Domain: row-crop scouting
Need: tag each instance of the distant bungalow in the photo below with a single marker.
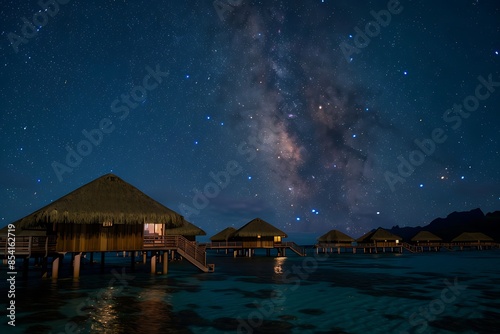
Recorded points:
(426, 239)
(256, 234)
(380, 239)
(222, 238)
(187, 230)
(107, 214)
(473, 240)
(334, 239)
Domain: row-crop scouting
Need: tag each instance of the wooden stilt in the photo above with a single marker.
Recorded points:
(55, 267)
(76, 265)
(165, 262)
(153, 263)
(144, 257)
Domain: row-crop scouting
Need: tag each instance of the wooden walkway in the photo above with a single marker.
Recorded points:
(239, 245)
(31, 246)
(412, 248)
(190, 250)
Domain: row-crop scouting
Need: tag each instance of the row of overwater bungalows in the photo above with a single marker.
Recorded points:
(382, 240)
(110, 215)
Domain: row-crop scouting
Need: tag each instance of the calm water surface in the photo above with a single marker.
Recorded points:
(447, 292)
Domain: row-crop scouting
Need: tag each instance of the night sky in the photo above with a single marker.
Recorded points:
(301, 117)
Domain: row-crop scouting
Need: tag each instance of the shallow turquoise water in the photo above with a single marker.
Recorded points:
(447, 292)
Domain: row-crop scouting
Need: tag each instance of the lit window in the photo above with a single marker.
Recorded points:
(277, 238)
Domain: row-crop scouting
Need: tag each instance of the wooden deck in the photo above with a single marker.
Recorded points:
(39, 246)
(240, 245)
(410, 247)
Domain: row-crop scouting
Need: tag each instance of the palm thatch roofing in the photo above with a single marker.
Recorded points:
(106, 199)
(223, 235)
(335, 236)
(472, 237)
(187, 229)
(426, 236)
(258, 227)
(379, 234)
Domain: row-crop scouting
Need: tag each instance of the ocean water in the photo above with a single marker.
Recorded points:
(445, 292)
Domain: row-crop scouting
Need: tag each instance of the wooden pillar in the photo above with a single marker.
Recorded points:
(91, 258)
(55, 266)
(144, 257)
(76, 265)
(249, 252)
(153, 263)
(165, 262)
(235, 252)
(338, 250)
(354, 250)
(173, 255)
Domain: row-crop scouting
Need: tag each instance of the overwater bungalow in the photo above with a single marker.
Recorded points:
(222, 238)
(380, 239)
(335, 239)
(105, 215)
(473, 240)
(426, 240)
(256, 234)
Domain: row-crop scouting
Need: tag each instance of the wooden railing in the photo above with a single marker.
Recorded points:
(191, 250)
(296, 248)
(225, 244)
(28, 245)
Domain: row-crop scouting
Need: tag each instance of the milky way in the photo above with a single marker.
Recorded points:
(314, 123)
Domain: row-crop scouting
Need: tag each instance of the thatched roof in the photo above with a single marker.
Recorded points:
(472, 237)
(335, 236)
(379, 234)
(426, 236)
(187, 229)
(258, 227)
(223, 235)
(107, 198)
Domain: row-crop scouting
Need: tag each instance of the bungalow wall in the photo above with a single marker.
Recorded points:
(254, 242)
(97, 238)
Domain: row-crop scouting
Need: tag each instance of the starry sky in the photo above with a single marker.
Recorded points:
(312, 114)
